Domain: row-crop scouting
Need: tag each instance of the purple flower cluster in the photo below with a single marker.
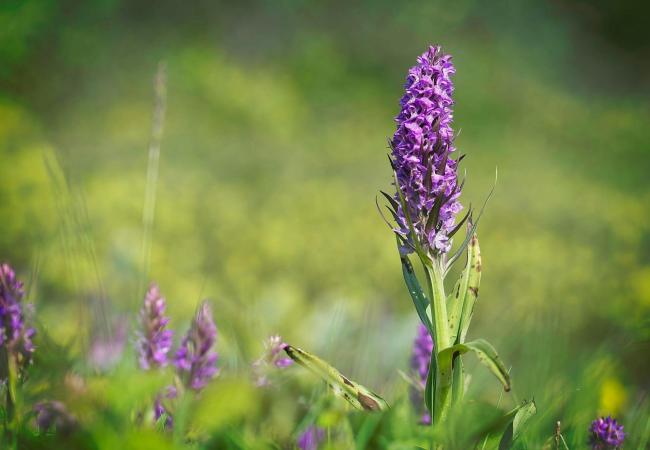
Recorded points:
(311, 438)
(606, 434)
(273, 356)
(421, 153)
(420, 362)
(196, 359)
(14, 334)
(154, 341)
(159, 407)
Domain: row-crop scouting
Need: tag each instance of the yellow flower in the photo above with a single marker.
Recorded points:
(613, 397)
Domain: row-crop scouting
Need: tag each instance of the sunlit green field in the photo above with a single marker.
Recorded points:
(272, 153)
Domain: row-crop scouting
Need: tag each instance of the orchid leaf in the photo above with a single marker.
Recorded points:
(458, 385)
(521, 416)
(472, 226)
(465, 293)
(358, 396)
(417, 294)
(486, 354)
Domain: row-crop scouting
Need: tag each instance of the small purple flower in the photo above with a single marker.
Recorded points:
(421, 154)
(420, 362)
(273, 356)
(14, 334)
(159, 408)
(53, 414)
(311, 438)
(154, 341)
(196, 360)
(606, 434)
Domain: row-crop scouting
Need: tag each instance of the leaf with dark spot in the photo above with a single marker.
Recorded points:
(357, 395)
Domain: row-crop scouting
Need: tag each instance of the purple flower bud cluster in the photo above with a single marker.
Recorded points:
(154, 341)
(14, 334)
(311, 438)
(159, 407)
(421, 153)
(273, 356)
(420, 362)
(196, 360)
(606, 434)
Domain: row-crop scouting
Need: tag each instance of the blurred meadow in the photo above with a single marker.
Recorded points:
(272, 152)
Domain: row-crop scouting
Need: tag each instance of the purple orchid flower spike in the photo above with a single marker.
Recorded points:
(154, 341)
(196, 359)
(421, 155)
(606, 434)
(311, 438)
(15, 335)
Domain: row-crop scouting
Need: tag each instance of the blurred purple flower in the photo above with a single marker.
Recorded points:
(421, 153)
(196, 359)
(420, 362)
(159, 407)
(53, 414)
(14, 334)
(273, 356)
(311, 438)
(154, 341)
(606, 434)
(106, 351)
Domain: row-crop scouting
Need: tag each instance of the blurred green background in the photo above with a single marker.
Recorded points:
(274, 148)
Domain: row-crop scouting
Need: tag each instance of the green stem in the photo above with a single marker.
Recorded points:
(440, 322)
(438, 301)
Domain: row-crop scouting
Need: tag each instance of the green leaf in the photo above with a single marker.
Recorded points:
(417, 294)
(358, 396)
(458, 385)
(486, 355)
(224, 403)
(465, 293)
(522, 415)
(472, 226)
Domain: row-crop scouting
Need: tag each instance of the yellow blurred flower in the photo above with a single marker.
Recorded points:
(613, 397)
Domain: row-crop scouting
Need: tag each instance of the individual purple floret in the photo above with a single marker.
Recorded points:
(606, 434)
(14, 334)
(311, 438)
(154, 341)
(273, 356)
(421, 153)
(196, 359)
(420, 362)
